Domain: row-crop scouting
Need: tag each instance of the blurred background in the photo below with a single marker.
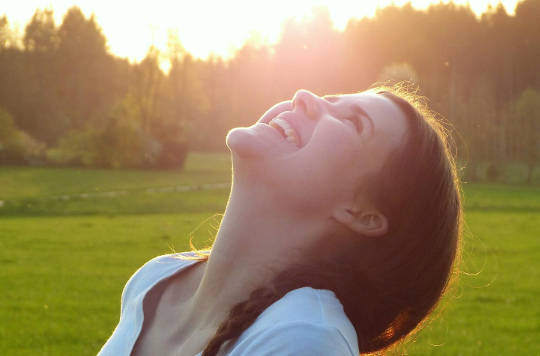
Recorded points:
(112, 145)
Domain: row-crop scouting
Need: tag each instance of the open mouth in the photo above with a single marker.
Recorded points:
(286, 130)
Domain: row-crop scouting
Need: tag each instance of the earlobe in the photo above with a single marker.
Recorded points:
(370, 223)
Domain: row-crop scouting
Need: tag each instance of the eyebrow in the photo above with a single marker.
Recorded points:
(356, 108)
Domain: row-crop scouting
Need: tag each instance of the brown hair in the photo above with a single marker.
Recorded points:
(387, 285)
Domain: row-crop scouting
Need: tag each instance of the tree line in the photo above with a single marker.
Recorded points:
(65, 99)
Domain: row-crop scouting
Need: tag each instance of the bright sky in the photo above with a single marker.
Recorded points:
(203, 26)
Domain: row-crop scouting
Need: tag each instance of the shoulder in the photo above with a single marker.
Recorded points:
(299, 338)
(305, 321)
(154, 270)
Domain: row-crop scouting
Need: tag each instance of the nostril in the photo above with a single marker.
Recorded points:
(305, 101)
(301, 104)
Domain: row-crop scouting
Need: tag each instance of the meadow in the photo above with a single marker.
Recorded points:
(70, 239)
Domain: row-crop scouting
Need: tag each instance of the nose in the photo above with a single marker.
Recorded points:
(308, 102)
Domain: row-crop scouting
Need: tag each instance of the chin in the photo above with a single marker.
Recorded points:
(244, 144)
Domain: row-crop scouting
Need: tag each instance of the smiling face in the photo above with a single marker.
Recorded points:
(312, 152)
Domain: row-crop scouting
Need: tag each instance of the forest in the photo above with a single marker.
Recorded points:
(66, 100)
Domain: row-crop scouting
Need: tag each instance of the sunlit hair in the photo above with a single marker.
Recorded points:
(387, 285)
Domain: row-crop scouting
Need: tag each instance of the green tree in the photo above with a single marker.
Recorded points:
(208, 132)
(12, 70)
(527, 28)
(16, 147)
(528, 123)
(4, 32)
(148, 88)
(41, 35)
(86, 70)
(119, 143)
(186, 101)
(40, 114)
(64, 82)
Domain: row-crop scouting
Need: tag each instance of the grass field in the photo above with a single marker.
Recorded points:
(67, 250)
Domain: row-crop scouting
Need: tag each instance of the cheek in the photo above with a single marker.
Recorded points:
(322, 175)
(373, 157)
(335, 155)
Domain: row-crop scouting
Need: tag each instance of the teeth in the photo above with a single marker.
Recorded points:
(292, 139)
(289, 131)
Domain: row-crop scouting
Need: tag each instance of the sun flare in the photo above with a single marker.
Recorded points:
(207, 27)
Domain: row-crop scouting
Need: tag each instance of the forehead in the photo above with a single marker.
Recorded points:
(376, 105)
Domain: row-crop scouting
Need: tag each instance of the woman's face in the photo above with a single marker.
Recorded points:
(313, 151)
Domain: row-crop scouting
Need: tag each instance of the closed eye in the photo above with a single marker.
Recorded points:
(355, 119)
(331, 98)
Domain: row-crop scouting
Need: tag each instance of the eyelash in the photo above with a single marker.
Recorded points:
(356, 121)
(331, 99)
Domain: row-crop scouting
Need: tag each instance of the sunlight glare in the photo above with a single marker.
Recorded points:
(207, 26)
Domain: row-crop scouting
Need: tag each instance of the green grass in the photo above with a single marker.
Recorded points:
(46, 182)
(64, 262)
(62, 191)
(62, 277)
(493, 309)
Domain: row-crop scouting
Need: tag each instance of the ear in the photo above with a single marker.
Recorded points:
(370, 222)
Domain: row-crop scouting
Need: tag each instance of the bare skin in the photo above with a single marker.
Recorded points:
(284, 197)
(164, 307)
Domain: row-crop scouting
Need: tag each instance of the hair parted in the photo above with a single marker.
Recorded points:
(390, 284)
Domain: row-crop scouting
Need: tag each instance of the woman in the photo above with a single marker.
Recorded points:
(339, 238)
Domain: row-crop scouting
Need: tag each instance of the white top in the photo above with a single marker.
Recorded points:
(305, 321)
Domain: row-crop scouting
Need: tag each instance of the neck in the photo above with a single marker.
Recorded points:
(254, 242)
